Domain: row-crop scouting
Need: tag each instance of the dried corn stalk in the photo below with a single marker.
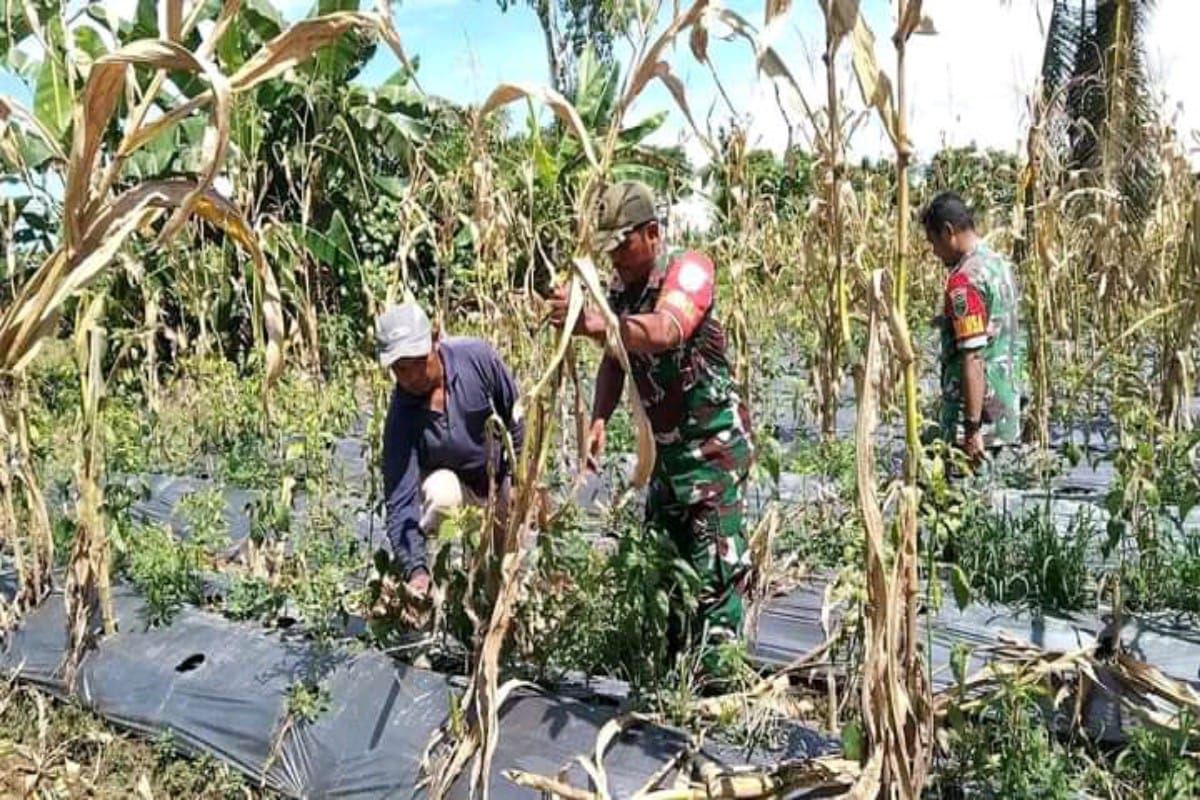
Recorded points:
(96, 227)
(892, 687)
(88, 584)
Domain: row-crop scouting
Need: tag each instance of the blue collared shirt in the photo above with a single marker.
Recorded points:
(418, 440)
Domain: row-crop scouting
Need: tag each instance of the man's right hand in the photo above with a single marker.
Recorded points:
(595, 445)
(418, 584)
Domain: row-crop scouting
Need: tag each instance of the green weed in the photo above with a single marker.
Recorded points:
(1160, 763)
(306, 701)
(606, 613)
(1006, 752)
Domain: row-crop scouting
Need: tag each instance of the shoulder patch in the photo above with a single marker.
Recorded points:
(958, 301)
(692, 276)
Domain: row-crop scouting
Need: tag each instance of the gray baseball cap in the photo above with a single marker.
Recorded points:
(402, 332)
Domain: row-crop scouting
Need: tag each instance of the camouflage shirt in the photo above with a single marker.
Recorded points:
(981, 311)
(688, 392)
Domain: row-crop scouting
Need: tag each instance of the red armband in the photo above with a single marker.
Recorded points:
(687, 292)
(967, 312)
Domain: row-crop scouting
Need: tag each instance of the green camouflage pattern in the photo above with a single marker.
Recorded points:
(708, 535)
(701, 429)
(1004, 355)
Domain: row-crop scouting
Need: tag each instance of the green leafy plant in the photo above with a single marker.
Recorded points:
(165, 571)
(307, 701)
(1006, 752)
(1161, 763)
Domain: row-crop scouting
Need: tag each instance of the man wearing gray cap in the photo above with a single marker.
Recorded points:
(436, 447)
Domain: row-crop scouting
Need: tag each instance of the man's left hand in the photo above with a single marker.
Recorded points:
(973, 446)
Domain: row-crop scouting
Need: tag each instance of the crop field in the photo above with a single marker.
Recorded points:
(203, 210)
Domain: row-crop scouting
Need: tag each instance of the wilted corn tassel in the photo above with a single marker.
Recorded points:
(88, 576)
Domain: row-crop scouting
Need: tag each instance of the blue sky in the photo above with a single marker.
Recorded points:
(967, 84)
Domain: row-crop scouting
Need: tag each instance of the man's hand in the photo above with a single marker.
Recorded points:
(418, 584)
(589, 324)
(972, 445)
(595, 445)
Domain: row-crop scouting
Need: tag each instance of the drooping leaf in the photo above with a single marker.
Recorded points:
(698, 40)
(776, 8)
(675, 87)
(767, 59)
(506, 93)
(341, 58)
(295, 45)
(10, 109)
(910, 21)
(585, 273)
(99, 100)
(873, 83)
(649, 66)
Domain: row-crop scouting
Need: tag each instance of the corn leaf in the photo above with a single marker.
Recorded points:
(647, 450)
(103, 90)
(675, 87)
(649, 64)
(10, 109)
(840, 17)
(873, 83)
(776, 8)
(297, 44)
(912, 22)
(506, 93)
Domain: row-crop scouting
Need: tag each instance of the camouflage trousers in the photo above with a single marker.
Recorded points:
(705, 526)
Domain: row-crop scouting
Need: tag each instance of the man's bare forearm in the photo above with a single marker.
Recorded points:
(973, 385)
(610, 380)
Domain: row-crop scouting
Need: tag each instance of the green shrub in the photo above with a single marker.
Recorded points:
(1006, 752)
(165, 571)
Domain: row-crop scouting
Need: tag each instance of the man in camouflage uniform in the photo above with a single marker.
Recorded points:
(677, 352)
(982, 345)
